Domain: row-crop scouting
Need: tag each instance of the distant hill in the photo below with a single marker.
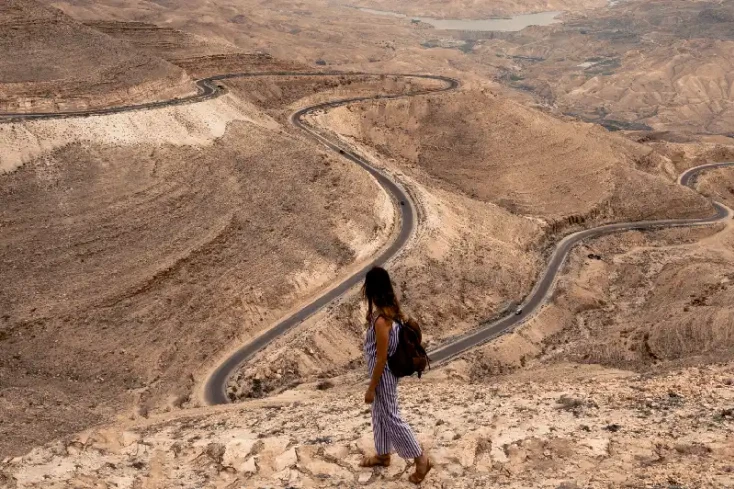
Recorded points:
(51, 62)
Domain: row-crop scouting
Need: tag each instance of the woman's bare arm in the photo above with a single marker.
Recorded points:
(382, 332)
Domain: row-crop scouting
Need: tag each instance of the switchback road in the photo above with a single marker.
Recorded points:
(215, 386)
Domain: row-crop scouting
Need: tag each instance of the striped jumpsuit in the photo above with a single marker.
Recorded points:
(390, 431)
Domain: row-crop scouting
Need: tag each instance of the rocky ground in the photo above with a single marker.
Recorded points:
(648, 301)
(577, 427)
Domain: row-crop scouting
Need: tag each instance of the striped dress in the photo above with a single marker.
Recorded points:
(390, 431)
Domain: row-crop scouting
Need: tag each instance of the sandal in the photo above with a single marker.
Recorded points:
(418, 476)
(376, 461)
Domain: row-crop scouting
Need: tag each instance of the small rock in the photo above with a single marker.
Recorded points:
(215, 451)
(613, 427)
(249, 467)
(128, 438)
(337, 452)
(286, 459)
(567, 403)
(365, 477)
(397, 466)
(177, 448)
(74, 448)
(568, 485)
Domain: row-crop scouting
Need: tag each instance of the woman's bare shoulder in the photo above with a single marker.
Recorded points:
(383, 323)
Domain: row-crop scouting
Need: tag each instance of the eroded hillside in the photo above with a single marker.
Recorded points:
(54, 63)
(142, 246)
(491, 208)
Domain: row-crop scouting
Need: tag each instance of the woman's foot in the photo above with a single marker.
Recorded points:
(376, 461)
(422, 467)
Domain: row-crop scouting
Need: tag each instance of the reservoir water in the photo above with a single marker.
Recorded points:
(513, 23)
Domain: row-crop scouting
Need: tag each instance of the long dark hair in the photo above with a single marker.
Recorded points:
(380, 296)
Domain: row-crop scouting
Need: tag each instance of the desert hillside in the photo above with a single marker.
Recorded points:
(143, 246)
(654, 65)
(308, 32)
(166, 42)
(53, 63)
(140, 249)
(634, 65)
(491, 210)
(648, 301)
(522, 160)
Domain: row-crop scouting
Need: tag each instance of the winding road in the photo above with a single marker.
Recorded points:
(215, 386)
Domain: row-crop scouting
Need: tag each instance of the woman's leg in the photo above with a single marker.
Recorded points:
(393, 432)
(379, 429)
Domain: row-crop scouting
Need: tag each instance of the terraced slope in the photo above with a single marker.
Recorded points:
(51, 62)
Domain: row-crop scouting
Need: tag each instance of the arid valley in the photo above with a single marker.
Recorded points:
(191, 193)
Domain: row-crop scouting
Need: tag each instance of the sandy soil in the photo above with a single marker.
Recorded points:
(54, 63)
(563, 427)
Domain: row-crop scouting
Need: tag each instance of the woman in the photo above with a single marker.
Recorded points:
(383, 314)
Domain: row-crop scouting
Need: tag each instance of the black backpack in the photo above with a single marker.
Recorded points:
(410, 357)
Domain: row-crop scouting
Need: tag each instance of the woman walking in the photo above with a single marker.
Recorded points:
(381, 341)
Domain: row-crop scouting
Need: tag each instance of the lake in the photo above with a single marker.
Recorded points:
(512, 23)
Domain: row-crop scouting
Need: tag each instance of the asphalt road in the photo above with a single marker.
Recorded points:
(545, 283)
(208, 88)
(215, 387)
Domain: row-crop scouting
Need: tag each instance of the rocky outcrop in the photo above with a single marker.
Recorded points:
(581, 427)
